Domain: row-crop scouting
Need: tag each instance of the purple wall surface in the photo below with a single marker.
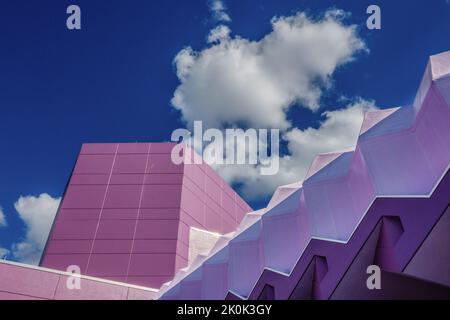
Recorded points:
(128, 209)
(22, 282)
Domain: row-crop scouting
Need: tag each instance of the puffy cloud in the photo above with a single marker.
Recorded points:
(337, 132)
(2, 218)
(219, 11)
(237, 80)
(218, 34)
(38, 214)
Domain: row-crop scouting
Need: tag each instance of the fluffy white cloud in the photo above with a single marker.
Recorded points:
(218, 34)
(239, 82)
(2, 218)
(236, 80)
(337, 132)
(219, 11)
(37, 213)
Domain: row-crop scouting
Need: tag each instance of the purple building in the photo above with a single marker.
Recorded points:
(140, 227)
(385, 204)
(128, 211)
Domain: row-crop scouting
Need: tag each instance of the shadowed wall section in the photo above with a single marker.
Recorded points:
(127, 213)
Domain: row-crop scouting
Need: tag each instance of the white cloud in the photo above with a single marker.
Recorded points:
(219, 11)
(3, 253)
(236, 80)
(37, 213)
(240, 82)
(2, 218)
(337, 132)
(218, 34)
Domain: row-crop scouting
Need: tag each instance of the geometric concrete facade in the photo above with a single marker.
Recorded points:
(127, 212)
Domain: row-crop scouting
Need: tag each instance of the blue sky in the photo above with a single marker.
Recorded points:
(113, 81)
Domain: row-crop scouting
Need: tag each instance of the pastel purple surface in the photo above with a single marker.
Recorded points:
(394, 185)
(22, 282)
(127, 211)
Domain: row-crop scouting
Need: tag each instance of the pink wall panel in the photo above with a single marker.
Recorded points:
(123, 196)
(128, 209)
(89, 179)
(161, 196)
(116, 229)
(108, 264)
(155, 246)
(14, 296)
(157, 229)
(69, 246)
(162, 163)
(24, 281)
(84, 196)
(160, 178)
(112, 246)
(130, 163)
(94, 164)
(155, 264)
(99, 148)
(91, 290)
(118, 214)
(62, 261)
(159, 214)
(126, 179)
(76, 229)
(133, 148)
(78, 214)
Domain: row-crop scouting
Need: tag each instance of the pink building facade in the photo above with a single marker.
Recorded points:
(128, 210)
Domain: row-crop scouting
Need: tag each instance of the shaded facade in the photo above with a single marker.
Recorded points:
(127, 213)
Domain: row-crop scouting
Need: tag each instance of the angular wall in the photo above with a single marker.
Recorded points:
(127, 213)
(395, 182)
